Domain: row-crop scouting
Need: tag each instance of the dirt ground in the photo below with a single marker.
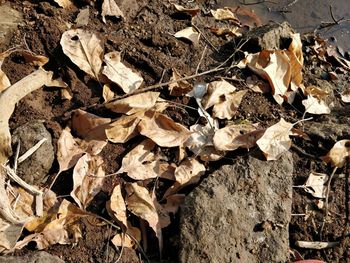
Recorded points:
(147, 44)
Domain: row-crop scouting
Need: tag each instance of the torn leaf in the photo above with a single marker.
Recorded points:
(110, 8)
(190, 34)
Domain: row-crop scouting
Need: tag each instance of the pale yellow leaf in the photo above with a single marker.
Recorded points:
(231, 31)
(339, 154)
(64, 3)
(123, 129)
(215, 91)
(126, 78)
(8, 100)
(88, 176)
(275, 140)
(236, 136)
(163, 130)
(135, 103)
(110, 8)
(187, 173)
(190, 34)
(84, 49)
(116, 206)
(315, 106)
(228, 105)
(4, 80)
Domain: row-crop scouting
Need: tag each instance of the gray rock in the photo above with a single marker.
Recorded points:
(10, 19)
(240, 213)
(36, 257)
(273, 36)
(34, 170)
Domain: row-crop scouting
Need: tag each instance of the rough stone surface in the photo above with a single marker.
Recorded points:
(34, 169)
(274, 36)
(240, 213)
(36, 257)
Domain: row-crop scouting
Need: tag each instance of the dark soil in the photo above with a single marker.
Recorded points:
(147, 44)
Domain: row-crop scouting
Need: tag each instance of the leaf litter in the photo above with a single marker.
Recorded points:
(141, 113)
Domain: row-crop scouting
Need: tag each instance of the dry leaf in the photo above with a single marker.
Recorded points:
(296, 47)
(135, 103)
(163, 130)
(190, 34)
(215, 91)
(225, 14)
(191, 11)
(110, 8)
(173, 202)
(88, 125)
(274, 66)
(107, 93)
(187, 173)
(84, 49)
(128, 239)
(315, 106)
(120, 74)
(201, 143)
(60, 228)
(68, 151)
(83, 17)
(222, 31)
(140, 203)
(228, 105)
(64, 3)
(123, 129)
(237, 136)
(275, 140)
(315, 185)
(88, 177)
(179, 88)
(116, 206)
(9, 234)
(338, 154)
(10, 97)
(345, 96)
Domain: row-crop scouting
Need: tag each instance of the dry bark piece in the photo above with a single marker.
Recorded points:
(135, 103)
(190, 34)
(88, 176)
(110, 8)
(10, 97)
(275, 140)
(84, 49)
(120, 74)
(163, 130)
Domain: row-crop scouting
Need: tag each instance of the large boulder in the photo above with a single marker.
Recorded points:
(240, 213)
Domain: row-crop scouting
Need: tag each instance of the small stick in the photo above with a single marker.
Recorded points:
(257, 2)
(31, 150)
(206, 39)
(202, 57)
(16, 156)
(38, 194)
(316, 244)
(326, 201)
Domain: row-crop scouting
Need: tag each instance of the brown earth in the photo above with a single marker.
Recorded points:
(147, 44)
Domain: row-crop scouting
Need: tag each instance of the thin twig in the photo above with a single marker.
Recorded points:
(206, 39)
(257, 2)
(202, 57)
(326, 201)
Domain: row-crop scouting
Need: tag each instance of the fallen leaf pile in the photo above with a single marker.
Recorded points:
(142, 118)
